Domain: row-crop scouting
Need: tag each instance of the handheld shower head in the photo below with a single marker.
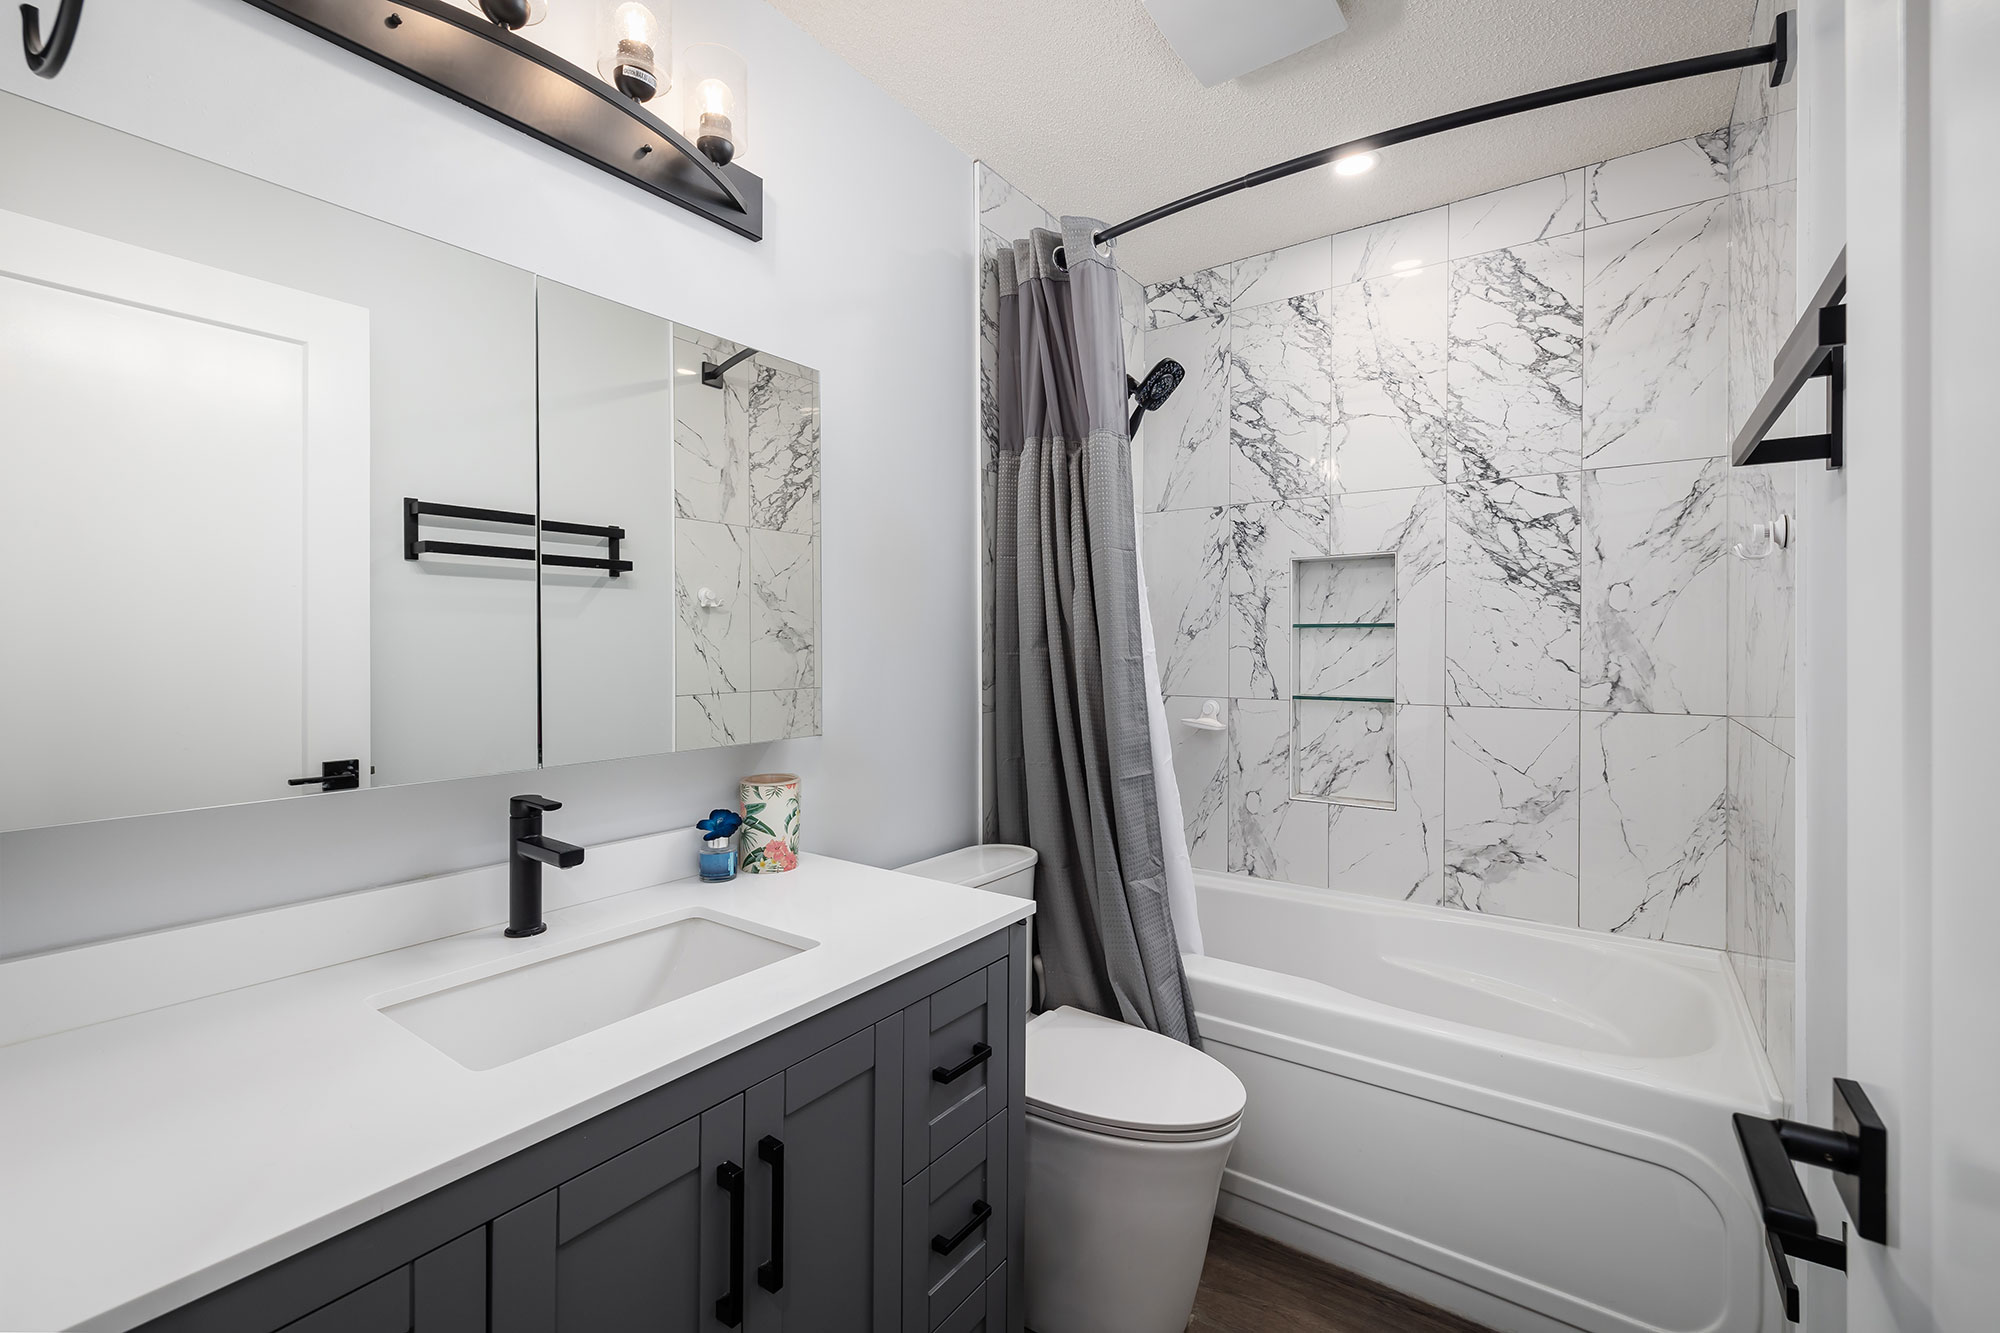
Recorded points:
(1155, 389)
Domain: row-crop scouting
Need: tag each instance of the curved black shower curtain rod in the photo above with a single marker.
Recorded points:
(1777, 53)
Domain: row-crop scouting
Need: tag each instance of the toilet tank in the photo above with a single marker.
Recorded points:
(997, 867)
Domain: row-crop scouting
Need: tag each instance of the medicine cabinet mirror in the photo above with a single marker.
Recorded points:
(293, 500)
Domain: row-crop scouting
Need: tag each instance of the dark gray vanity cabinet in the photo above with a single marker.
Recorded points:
(857, 1173)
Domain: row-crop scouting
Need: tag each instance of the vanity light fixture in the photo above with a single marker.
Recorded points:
(715, 106)
(45, 58)
(513, 14)
(471, 53)
(634, 41)
(1355, 164)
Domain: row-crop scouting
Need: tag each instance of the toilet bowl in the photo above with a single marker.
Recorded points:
(1128, 1133)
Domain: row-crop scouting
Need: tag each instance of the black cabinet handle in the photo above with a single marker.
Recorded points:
(981, 1210)
(729, 1308)
(771, 1276)
(981, 1053)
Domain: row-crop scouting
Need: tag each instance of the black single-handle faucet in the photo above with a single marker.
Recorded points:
(528, 852)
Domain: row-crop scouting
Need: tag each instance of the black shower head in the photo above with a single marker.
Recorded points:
(1155, 389)
(1159, 384)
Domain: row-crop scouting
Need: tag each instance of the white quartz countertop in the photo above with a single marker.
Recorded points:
(154, 1157)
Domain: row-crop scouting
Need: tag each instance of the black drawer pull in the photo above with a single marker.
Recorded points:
(771, 1276)
(729, 1308)
(981, 1053)
(981, 1210)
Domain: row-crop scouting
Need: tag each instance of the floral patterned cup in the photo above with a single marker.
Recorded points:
(770, 823)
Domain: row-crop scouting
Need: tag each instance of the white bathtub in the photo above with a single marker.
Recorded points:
(1526, 1124)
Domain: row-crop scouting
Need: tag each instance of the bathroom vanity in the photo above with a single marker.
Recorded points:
(796, 1104)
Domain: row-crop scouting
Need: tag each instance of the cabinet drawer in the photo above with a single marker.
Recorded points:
(955, 1074)
(954, 1227)
(984, 1311)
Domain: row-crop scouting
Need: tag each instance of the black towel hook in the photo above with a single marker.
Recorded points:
(46, 58)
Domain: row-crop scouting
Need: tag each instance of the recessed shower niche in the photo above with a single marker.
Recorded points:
(1344, 674)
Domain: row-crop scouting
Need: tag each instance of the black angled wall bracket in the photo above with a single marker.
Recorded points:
(1856, 1150)
(1816, 349)
(45, 58)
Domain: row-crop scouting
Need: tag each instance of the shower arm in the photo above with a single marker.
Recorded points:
(1777, 53)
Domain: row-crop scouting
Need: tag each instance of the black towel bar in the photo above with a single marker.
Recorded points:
(415, 510)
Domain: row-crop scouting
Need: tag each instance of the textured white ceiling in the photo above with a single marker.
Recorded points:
(1083, 105)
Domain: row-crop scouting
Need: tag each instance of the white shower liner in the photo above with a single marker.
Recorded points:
(1529, 1125)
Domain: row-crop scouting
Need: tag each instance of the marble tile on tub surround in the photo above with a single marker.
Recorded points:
(705, 721)
(781, 715)
(1201, 771)
(1516, 361)
(1270, 835)
(1388, 339)
(1399, 245)
(1513, 614)
(1184, 446)
(1655, 350)
(1755, 97)
(1655, 827)
(711, 644)
(1344, 751)
(1260, 541)
(1533, 211)
(1511, 787)
(1280, 382)
(1655, 589)
(1186, 559)
(1763, 594)
(1764, 152)
(783, 414)
(1761, 897)
(1673, 175)
(784, 615)
(1202, 295)
(711, 463)
(1296, 270)
(1397, 853)
(1006, 210)
(1410, 523)
(1763, 286)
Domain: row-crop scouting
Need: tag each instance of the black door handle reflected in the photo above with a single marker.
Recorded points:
(981, 1210)
(729, 1308)
(771, 1276)
(981, 1053)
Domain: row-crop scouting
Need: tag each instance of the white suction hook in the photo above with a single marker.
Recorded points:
(707, 600)
(1770, 538)
(1210, 719)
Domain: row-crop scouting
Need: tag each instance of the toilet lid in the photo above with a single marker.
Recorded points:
(1101, 1074)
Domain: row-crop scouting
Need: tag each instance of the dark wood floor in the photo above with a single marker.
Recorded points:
(1254, 1285)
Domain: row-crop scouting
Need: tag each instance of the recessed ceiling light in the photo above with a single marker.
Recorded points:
(1355, 163)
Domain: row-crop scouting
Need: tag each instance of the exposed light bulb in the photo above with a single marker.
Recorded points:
(632, 61)
(715, 101)
(1354, 164)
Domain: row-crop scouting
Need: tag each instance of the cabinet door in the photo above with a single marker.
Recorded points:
(641, 1242)
(443, 1292)
(825, 1148)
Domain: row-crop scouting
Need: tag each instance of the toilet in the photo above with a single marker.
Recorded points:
(1128, 1132)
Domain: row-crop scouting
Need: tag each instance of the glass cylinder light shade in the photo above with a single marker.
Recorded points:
(634, 46)
(715, 101)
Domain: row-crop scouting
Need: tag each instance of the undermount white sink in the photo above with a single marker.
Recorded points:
(518, 1008)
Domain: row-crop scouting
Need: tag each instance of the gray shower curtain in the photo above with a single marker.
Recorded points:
(1074, 756)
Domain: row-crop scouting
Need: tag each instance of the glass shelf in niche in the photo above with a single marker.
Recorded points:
(1340, 699)
(1343, 624)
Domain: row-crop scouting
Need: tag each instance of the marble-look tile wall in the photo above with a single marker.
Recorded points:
(1526, 397)
(746, 506)
(1761, 593)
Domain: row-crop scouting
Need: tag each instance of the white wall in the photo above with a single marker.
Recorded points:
(865, 274)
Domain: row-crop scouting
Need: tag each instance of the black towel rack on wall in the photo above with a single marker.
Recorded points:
(1816, 349)
(414, 545)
